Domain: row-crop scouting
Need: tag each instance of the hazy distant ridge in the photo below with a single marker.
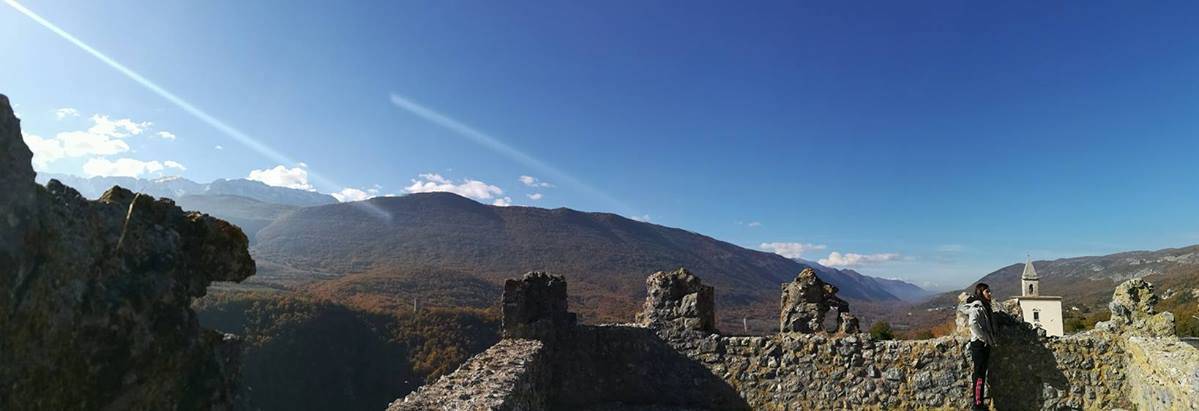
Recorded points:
(176, 187)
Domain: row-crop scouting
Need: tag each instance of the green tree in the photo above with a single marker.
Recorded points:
(881, 330)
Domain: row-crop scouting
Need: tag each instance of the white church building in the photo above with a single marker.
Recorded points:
(1039, 310)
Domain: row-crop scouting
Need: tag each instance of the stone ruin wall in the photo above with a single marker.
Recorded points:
(674, 358)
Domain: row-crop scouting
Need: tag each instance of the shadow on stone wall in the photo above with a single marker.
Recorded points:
(1022, 366)
(608, 366)
(602, 366)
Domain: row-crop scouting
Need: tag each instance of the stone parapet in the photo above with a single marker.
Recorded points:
(512, 375)
(670, 360)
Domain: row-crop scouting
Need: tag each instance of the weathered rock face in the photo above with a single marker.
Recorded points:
(677, 300)
(1163, 374)
(535, 307)
(1133, 313)
(807, 300)
(95, 296)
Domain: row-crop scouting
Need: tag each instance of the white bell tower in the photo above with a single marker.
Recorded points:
(1041, 311)
(1030, 284)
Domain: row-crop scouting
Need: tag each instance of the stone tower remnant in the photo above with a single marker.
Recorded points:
(534, 307)
(807, 300)
(677, 300)
(1133, 312)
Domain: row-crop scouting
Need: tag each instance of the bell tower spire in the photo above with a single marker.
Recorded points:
(1030, 283)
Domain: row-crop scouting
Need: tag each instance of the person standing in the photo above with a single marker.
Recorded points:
(982, 338)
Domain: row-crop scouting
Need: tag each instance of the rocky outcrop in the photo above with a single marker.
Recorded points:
(807, 300)
(534, 307)
(1133, 312)
(677, 300)
(95, 296)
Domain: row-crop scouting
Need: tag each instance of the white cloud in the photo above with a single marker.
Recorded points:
(791, 250)
(836, 259)
(351, 194)
(65, 112)
(120, 128)
(643, 218)
(436, 178)
(126, 167)
(84, 143)
(280, 176)
(219, 147)
(503, 202)
(433, 182)
(534, 182)
(44, 150)
(165, 135)
(535, 196)
(754, 224)
(103, 138)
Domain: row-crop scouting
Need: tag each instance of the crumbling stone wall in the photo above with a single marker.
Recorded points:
(807, 300)
(677, 300)
(1162, 374)
(1092, 370)
(670, 361)
(535, 307)
(512, 375)
(625, 365)
(95, 295)
(796, 371)
(1134, 314)
(590, 367)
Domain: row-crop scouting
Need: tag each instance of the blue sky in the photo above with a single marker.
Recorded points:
(930, 141)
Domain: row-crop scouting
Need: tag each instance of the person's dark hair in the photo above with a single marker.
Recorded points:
(978, 289)
(978, 294)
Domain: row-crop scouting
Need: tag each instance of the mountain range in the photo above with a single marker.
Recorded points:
(428, 239)
(900, 289)
(176, 187)
(442, 249)
(446, 250)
